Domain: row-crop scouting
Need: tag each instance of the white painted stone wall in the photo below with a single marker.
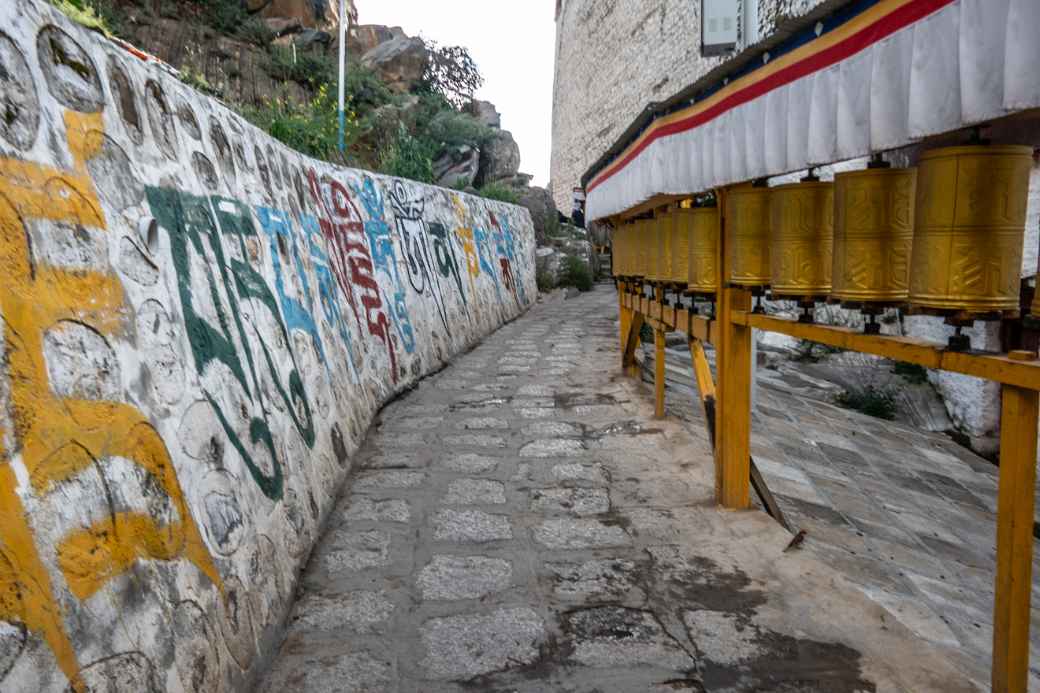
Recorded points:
(198, 326)
(613, 57)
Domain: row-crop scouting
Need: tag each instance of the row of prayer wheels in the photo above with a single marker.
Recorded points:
(946, 236)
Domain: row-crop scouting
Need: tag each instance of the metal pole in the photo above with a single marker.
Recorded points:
(343, 19)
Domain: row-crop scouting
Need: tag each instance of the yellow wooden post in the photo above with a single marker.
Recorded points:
(734, 422)
(1015, 501)
(659, 360)
(659, 373)
(706, 388)
(625, 319)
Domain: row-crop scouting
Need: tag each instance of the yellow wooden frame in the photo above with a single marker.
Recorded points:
(730, 333)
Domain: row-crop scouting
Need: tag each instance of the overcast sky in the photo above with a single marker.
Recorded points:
(512, 43)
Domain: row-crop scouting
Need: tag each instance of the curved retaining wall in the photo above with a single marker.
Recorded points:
(198, 325)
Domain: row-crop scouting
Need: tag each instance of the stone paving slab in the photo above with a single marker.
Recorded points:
(520, 522)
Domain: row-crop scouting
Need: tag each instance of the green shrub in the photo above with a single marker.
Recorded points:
(408, 157)
(197, 80)
(303, 67)
(576, 273)
(226, 16)
(811, 352)
(450, 128)
(869, 400)
(364, 90)
(254, 30)
(452, 73)
(102, 16)
(911, 372)
(500, 192)
(311, 128)
(545, 281)
(646, 334)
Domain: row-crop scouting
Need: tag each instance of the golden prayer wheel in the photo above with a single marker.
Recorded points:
(801, 232)
(703, 232)
(680, 247)
(664, 222)
(617, 251)
(747, 235)
(970, 226)
(641, 240)
(873, 235)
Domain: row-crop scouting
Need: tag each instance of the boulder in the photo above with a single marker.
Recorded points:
(282, 26)
(364, 38)
(312, 39)
(499, 158)
(313, 14)
(538, 201)
(400, 62)
(485, 112)
(457, 167)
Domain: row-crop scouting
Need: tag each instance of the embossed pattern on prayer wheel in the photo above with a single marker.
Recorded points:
(680, 248)
(617, 252)
(703, 224)
(970, 226)
(641, 241)
(663, 257)
(873, 234)
(747, 235)
(801, 232)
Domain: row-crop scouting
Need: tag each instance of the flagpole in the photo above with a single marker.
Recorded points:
(343, 19)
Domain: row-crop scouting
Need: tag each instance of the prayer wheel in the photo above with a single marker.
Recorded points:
(663, 255)
(641, 241)
(703, 225)
(969, 228)
(873, 235)
(617, 250)
(801, 232)
(680, 248)
(747, 235)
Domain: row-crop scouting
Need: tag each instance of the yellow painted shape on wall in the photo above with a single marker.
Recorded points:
(26, 594)
(58, 438)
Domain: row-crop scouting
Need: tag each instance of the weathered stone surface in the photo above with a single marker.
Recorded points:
(485, 112)
(470, 463)
(606, 579)
(577, 501)
(355, 611)
(593, 473)
(539, 202)
(373, 481)
(348, 672)
(362, 508)
(357, 550)
(471, 526)
(475, 492)
(457, 167)
(579, 534)
(611, 636)
(464, 577)
(365, 37)
(499, 158)
(462, 647)
(552, 447)
(399, 62)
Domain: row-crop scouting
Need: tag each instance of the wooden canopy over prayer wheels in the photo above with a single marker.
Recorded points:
(703, 231)
(747, 235)
(801, 233)
(873, 235)
(969, 230)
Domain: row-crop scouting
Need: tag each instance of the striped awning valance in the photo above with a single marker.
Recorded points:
(892, 73)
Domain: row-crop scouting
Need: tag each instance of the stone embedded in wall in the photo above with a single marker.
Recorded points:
(200, 324)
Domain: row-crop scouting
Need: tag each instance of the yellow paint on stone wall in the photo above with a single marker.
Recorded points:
(469, 245)
(57, 437)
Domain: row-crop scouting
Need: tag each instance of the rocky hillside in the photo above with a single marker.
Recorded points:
(411, 111)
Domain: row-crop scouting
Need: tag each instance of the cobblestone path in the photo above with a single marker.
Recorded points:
(520, 522)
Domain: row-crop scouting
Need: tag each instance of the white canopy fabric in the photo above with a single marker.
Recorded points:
(897, 72)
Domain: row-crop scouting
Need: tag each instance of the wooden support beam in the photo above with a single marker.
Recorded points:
(628, 355)
(659, 343)
(624, 318)
(1015, 503)
(1001, 368)
(706, 388)
(734, 439)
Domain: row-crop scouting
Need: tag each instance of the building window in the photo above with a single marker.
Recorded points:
(728, 25)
